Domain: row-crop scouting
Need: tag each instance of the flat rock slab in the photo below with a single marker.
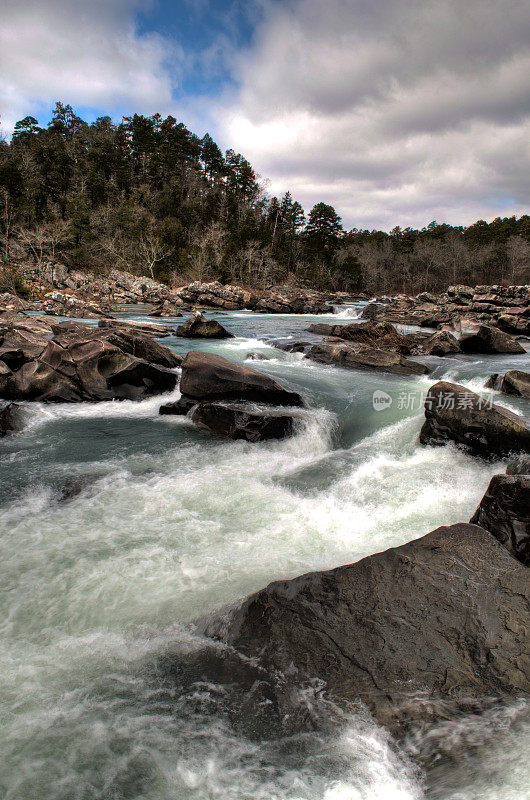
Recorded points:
(444, 617)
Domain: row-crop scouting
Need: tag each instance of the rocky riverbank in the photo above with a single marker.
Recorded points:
(505, 307)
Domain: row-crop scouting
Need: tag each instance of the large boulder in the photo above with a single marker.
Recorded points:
(198, 327)
(239, 422)
(505, 512)
(454, 413)
(437, 622)
(357, 356)
(207, 377)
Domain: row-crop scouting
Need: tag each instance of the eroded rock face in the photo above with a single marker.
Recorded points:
(504, 511)
(79, 364)
(519, 465)
(238, 422)
(356, 356)
(198, 327)
(454, 413)
(207, 377)
(444, 616)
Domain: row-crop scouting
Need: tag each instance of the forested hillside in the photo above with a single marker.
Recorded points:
(149, 196)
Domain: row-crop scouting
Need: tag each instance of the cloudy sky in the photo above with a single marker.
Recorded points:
(397, 112)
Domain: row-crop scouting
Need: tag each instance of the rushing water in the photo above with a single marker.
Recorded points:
(119, 527)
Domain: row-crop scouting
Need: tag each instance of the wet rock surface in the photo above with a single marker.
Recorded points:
(444, 616)
(504, 511)
(454, 413)
(239, 422)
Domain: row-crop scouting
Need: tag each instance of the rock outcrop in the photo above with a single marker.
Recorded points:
(504, 307)
(61, 304)
(454, 413)
(443, 619)
(198, 327)
(278, 300)
(207, 377)
(504, 511)
(79, 364)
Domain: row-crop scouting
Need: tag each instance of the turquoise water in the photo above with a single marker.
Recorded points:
(118, 528)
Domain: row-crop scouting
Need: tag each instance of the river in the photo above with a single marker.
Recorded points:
(119, 528)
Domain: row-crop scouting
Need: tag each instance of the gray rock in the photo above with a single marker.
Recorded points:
(454, 413)
(505, 512)
(442, 619)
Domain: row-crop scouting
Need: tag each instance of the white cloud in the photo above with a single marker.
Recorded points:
(82, 53)
(395, 111)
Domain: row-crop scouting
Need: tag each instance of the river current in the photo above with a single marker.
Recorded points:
(119, 528)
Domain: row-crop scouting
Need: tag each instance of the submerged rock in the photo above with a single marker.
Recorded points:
(356, 356)
(454, 413)
(198, 327)
(207, 377)
(444, 618)
(238, 422)
(504, 511)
